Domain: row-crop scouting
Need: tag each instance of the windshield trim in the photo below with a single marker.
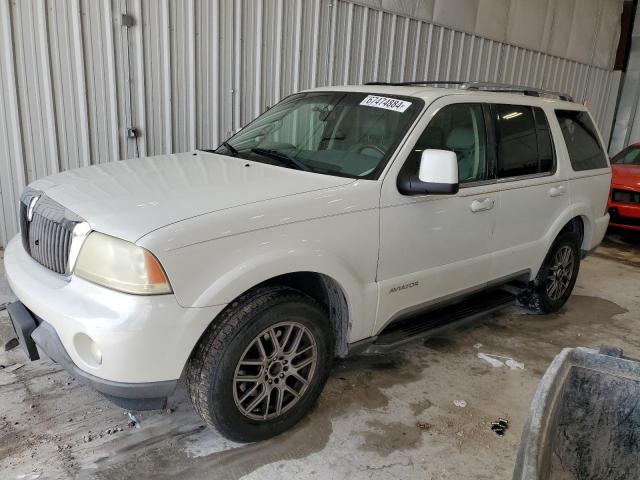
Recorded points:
(384, 161)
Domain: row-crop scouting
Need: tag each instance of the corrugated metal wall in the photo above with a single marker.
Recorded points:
(626, 129)
(75, 81)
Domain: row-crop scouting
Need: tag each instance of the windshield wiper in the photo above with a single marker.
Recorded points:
(282, 157)
(230, 147)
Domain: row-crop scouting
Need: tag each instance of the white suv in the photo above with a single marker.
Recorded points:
(318, 230)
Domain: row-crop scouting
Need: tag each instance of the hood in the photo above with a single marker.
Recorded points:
(626, 176)
(130, 198)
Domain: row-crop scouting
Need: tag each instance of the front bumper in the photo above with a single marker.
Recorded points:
(32, 331)
(140, 340)
(624, 215)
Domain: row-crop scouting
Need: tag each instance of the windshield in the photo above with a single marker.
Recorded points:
(336, 133)
(628, 156)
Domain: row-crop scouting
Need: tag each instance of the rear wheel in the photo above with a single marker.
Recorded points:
(556, 278)
(262, 366)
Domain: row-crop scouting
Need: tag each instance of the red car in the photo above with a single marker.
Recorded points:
(624, 199)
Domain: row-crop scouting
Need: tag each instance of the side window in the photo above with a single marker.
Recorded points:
(460, 128)
(585, 151)
(517, 141)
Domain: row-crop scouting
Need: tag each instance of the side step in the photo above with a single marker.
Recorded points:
(436, 321)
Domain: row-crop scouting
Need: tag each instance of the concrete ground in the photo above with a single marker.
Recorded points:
(392, 416)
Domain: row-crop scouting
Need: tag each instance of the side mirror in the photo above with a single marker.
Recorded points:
(437, 175)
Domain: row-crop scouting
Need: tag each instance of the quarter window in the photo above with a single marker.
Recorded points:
(583, 145)
(459, 128)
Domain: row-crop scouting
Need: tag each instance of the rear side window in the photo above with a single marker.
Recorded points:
(585, 151)
(524, 141)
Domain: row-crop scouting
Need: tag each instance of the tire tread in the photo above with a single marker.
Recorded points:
(533, 297)
(210, 349)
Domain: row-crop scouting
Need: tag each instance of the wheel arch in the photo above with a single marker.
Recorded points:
(576, 219)
(326, 290)
(328, 293)
(331, 279)
(576, 225)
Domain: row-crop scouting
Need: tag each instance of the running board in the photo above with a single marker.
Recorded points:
(439, 320)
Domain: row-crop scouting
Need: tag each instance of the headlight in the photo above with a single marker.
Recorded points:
(120, 265)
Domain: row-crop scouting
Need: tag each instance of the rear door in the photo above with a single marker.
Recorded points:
(533, 187)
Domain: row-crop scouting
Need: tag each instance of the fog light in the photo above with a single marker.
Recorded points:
(88, 350)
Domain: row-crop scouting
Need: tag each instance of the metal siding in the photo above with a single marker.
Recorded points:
(12, 160)
(627, 117)
(189, 72)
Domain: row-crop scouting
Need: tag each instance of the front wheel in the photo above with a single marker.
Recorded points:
(262, 365)
(557, 276)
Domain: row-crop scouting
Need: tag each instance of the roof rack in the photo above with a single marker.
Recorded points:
(485, 87)
(420, 82)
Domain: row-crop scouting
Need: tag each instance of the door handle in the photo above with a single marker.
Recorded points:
(557, 191)
(482, 205)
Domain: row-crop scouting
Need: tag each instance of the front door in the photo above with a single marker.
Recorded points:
(434, 246)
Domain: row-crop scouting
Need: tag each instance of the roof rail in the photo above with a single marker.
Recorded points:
(420, 82)
(505, 87)
(485, 87)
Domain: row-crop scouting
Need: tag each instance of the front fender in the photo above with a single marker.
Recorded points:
(257, 269)
(361, 295)
(343, 247)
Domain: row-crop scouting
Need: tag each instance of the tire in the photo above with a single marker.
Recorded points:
(248, 330)
(542, 297)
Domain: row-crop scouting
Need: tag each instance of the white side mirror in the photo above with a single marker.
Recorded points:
(439, 166)
(438, 174)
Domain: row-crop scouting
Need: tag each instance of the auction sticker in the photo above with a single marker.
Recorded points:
(386, 103)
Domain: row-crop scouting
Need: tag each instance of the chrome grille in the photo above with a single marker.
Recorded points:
(47, 235)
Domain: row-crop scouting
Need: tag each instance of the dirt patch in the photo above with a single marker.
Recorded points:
(387, 438)
(622, 248)
(12, 441)
(419, 407)
(310, 436)
(440, 344)
(590, 312)
(361, 381)
(586, 321)
(629, 258)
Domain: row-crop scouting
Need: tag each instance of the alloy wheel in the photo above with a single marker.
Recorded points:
(560, 273)
(275, 370)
